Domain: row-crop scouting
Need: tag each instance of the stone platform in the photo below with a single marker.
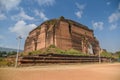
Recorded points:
(60, 58)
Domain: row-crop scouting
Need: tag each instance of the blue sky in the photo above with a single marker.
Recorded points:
(18, 17)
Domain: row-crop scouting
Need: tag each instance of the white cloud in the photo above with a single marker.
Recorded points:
(41, 15)
(79, 14)
(114, 17)
(22, 28)
(45, 2)
(81, 7)
(22, 16)
(108, 3)
(97, 25)
(9, 4)
(113, 27)
(2, 16)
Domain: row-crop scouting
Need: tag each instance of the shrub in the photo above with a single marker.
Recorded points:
(4, 62)
(106, 54)
(54, 49)
(52, 46)
(34, 52)
(60, 51)
(30, 53)
(72, 51)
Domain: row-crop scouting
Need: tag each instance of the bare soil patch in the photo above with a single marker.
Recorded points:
(63, 72)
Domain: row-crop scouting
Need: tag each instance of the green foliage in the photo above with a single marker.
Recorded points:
(54, 49)
(30, 53)
(106, 54)
(118, 54)
(37, 52)
(59, 51)
(62, 18)
(52, 22)
(72, 51)
(52, 46)
(12, 53)
(66, 52)
(75, 52)
(34, 52)
(4, 53)
(4, 62)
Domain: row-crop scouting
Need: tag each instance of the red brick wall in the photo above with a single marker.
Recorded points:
(49, 35)
(41, 37)
(63, 35)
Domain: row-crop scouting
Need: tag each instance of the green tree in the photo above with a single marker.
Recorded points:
(118, 54)
(12, 53)
(106, 54)
(0, 54)
(3, 53)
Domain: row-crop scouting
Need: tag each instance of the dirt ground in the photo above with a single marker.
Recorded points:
(63, 72)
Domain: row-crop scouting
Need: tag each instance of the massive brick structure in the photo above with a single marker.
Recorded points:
(63, 33)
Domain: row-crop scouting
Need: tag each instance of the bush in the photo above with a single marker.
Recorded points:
(54, 49)
(72, 51)
(52, 46)
(60, 51)
(117, 54)
(106, 54)
(30, 53)
(4, 63)
(34, 52)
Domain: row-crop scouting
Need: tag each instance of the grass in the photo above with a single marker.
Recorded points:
(54, 49)
(4, 62)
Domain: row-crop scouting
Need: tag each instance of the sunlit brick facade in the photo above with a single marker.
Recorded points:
(63, 33)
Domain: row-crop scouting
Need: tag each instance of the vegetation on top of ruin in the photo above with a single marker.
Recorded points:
(53, 49)
(51, 22)
(62, 18)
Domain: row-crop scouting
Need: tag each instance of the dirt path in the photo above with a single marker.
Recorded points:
(63, 72)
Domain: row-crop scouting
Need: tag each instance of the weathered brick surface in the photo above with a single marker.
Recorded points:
(63, 37)
(64, 34)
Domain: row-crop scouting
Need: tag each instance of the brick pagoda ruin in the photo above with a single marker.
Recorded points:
(63, 33)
